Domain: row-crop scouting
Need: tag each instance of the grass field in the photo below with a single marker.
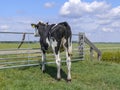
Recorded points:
(86, 75)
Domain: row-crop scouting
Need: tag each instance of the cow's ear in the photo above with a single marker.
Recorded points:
(47, 23)
(34, 25)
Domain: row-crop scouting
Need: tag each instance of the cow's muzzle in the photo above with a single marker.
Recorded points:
(36, 33)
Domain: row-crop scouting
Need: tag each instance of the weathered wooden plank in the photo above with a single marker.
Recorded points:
(93, 47)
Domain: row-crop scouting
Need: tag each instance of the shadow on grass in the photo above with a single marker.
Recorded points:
(52, 71)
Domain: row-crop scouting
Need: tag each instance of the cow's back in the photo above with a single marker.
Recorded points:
(61, 30)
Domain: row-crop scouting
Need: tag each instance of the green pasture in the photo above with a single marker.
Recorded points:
(110, 51)
(15, 45)
(86, 75)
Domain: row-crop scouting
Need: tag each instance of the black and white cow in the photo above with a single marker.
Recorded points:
(55, 35)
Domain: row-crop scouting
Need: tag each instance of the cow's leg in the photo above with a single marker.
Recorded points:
(68, 49)
(58, 62)
(68, 61)
(43, 61)
(55, 47)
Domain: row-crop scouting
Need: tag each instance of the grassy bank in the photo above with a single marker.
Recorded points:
(86, 75)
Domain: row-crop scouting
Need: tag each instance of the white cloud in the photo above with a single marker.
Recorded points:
(115, 24)
(4, 27)
(77, 8)
(16, 24)
(112, 13)
(49, 4)
(95, 18)
(107, 29)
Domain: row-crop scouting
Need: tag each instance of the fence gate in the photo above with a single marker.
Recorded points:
(29, 54)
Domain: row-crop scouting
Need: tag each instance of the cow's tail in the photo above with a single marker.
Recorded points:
(70, 46)
(69, 36)
(69, 39)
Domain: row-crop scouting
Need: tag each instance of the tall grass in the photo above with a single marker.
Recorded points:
(111, 56)
(110, 51)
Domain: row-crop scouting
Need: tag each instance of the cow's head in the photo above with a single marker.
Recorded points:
(41, 30)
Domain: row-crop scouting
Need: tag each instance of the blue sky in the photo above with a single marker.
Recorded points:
(35, 8)
(99, 19)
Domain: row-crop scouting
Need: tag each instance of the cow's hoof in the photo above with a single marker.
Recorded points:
(68, 80)
(58, 79)
(43, 71)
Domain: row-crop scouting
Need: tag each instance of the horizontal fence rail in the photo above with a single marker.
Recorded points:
(29, 54)
(15, 33)
(25, 33)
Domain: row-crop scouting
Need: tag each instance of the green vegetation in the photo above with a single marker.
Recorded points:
(110, 52)
(15, 45)
(111, 56)
(86, 75)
